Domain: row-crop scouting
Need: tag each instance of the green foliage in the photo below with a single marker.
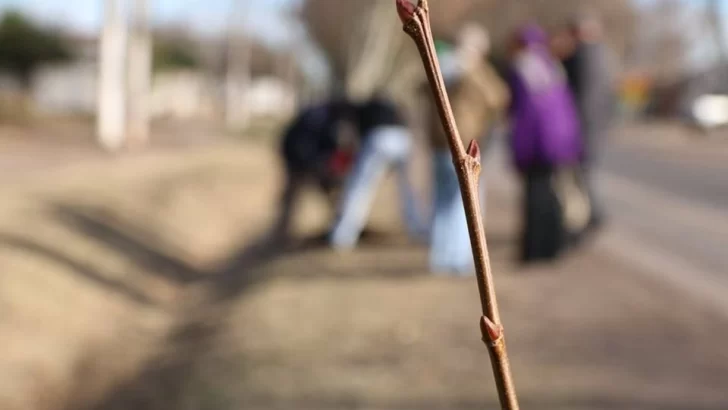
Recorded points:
(25, 45)
(172, 55)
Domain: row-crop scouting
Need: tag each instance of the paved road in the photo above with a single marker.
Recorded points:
(701, 180)
(671, 216)
(667, 214)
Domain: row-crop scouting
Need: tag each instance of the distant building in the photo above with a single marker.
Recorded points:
(270, 97)
(67, 88)
(71, 88)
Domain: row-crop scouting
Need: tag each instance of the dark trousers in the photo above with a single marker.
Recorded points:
(544, 236)
(296, 181)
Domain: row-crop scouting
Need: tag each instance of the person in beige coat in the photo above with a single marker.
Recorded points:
(479, 99)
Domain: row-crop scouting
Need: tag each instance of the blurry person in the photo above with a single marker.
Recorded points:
(562, 44)
(590, 79)
(386, 145)
(544, 141)
(317, 149)
(479, 98)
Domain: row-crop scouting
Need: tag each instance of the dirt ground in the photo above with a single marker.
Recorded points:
(143, 283)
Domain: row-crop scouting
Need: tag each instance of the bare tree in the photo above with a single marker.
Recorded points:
(356, 36)
(372, 50)
(619, 16)
(359, 40)
(110, 118)
(716, 25)
(661, 42)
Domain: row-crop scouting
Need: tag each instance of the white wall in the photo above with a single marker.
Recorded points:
(71, 88)
(66, 88)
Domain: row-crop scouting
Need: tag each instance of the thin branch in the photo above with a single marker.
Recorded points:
(416, 22)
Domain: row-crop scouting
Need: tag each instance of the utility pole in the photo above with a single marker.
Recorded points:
(111, 110)
(139, 75)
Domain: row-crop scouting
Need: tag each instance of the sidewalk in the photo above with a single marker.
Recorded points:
(313, 329)
(674, 139)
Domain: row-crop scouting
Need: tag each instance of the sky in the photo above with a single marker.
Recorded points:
(204, 15)
(262, 18)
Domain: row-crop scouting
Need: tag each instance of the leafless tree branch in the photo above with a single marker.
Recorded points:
(467, 163)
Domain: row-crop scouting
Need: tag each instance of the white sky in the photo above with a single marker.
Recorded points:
(263, 18)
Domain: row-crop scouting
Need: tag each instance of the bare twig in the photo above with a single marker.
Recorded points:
(416, 22)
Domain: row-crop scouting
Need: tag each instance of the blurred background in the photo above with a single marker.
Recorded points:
(143, 163)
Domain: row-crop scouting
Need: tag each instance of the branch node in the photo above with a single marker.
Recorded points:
(473, 159)
(492, 333)
(417, 25)
(406, 10)
(474, 150)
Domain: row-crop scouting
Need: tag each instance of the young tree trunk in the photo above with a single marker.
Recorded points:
(416, 20)
(110, 114)
(238, 70)
(237, 81)
(716, 25)
(139, 76)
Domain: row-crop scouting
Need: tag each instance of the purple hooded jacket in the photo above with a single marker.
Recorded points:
(545, 122)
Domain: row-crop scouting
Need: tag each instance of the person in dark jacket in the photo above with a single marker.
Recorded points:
(316, 151)
(590, 80)
(386, 145)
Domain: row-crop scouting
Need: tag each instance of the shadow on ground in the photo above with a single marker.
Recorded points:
(296, 326)
(177, 377)
(163, 382)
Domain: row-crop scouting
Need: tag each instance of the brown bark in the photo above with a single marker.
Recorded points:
(467, 163)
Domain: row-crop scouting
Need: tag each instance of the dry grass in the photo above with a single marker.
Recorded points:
(135, 283)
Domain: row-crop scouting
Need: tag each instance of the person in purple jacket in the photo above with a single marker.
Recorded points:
(545, 138)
